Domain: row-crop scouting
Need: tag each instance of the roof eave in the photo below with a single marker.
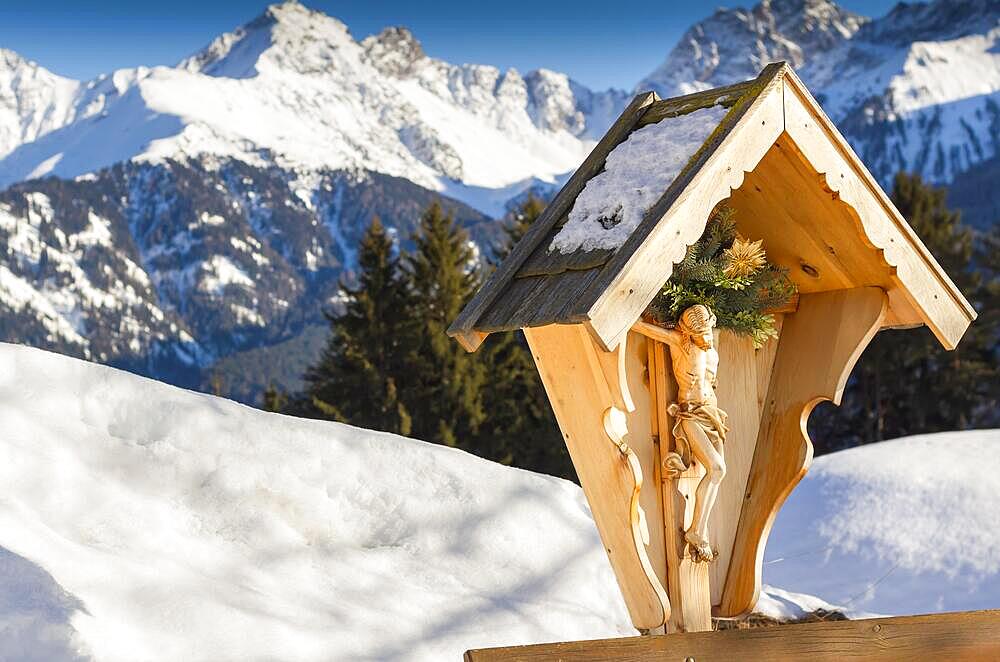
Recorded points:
(463, 328)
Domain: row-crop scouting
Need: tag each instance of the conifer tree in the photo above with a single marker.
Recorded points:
(275, 399)
(357, 377)
(905, 382)
(526, 214)
(520, 428)
(444, 388)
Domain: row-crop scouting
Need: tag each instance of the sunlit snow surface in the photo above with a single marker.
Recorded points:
(636, 174)
(909, 526)
(139, 521)
(154, 523)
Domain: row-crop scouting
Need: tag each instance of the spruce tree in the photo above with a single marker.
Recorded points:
(275, 399)
(357, 377)
(520, 428)
(444, 388)
(905, 382)
(526, 214)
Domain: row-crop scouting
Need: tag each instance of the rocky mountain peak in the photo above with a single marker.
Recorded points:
(394, 51)
(735, 44)
(9, 59)
(813, 23)
(286, 37)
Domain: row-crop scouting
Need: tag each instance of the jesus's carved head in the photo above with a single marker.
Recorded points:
(696, 323)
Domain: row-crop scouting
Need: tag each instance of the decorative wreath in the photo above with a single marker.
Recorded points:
(730, 275)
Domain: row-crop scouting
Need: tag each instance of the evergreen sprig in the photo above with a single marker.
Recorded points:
(712, 274)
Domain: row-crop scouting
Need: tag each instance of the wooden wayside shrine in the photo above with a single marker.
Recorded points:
(793, 182)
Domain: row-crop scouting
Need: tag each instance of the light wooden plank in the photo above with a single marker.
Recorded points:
(646, 446)
(963, 636)
(687, 581)
(502, 276)
(579, 394)
(738, 397)
(649, 379)
(623, 371)
(941, 305)
(471, 340)
(819, 346)
(764, 360)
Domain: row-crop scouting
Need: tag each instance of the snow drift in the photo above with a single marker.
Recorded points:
(143, 522)
(909, 526)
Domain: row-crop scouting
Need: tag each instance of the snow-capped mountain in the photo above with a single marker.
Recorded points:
(917, 90)
(172, 219)
(164, 268)
(162, 219)
(293, 88)
(735, 44)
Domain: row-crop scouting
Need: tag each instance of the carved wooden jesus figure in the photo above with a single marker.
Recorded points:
(700, 426)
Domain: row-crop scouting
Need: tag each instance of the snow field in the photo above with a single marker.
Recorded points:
(187, 527)
(909, 526)
(144, 522)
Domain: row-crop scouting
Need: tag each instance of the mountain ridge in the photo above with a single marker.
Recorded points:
(173, 220)
(293, 88)
(735, 44)
(917, 90)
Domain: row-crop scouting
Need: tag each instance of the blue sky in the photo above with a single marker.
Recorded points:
(600, 44)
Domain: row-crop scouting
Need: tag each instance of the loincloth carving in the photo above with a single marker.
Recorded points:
(708, 417)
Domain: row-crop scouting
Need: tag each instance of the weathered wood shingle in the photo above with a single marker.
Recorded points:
(535, 286)
(609, 289)
(464, 326)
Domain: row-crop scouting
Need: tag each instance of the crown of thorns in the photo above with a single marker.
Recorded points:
(697, 319)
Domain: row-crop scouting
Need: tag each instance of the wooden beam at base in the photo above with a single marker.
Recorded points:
(972, 635)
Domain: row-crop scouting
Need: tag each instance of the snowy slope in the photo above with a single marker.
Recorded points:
(33, 100)
(142, 522)
(909, 526)
(293, 88)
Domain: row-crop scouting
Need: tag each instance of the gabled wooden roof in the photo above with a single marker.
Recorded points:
(771, 116)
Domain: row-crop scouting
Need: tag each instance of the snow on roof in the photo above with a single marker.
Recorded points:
(636, 174)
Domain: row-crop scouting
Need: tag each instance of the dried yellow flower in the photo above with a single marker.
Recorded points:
(744, 258)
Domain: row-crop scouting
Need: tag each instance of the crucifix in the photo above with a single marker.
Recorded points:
(699, 428)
